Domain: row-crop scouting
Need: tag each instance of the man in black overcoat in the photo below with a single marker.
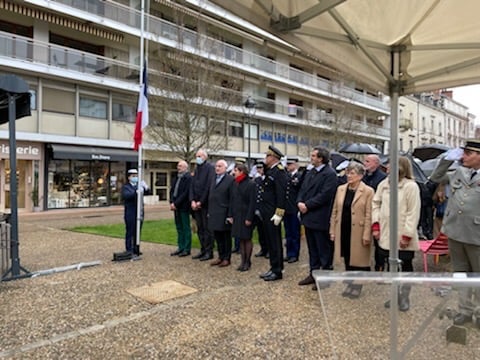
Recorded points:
(220, 213)
(199, 190)
(272, 210)
(315, 200)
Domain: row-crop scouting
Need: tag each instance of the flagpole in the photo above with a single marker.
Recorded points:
(140, 149)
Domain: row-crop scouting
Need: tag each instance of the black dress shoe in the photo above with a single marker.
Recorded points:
(307, 281)
(461, 319)
(206, 257)
(175, 253)
(292, 260)
(266, 274)
(267, 256)
(260, 254)
(198, 256)
(285, 259)
(273, 277)
(184, 253)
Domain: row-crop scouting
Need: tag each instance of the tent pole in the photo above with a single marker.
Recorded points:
(393, 259)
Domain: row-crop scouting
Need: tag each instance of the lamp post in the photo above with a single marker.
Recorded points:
(249, 111)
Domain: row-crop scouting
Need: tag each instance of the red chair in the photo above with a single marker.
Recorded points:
(437, 246)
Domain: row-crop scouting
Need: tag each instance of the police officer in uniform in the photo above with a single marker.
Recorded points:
(461, 221)
(291, 221)
(258, 221)
(272, 210)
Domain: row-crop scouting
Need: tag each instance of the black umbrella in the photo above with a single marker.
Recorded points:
(359, 148)
(429, 151)
(337, 159)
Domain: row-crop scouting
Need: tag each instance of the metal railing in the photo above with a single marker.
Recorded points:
(221, 51)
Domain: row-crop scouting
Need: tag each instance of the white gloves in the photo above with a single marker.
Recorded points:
(454, 154)
(277, 219)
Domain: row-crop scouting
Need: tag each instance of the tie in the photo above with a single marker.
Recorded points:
(473, 175)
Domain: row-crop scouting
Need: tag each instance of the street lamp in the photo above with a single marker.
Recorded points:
(249, 111)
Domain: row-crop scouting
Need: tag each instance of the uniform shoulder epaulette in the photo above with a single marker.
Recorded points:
(280, 167)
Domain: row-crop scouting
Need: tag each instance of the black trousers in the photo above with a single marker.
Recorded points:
(262, 239)
(224, 244)
(274, 243)
(204, 235)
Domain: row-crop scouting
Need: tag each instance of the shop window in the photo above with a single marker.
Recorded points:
(90, 107)
(253, 131)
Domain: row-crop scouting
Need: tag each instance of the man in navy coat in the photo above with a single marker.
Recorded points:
(315, 200)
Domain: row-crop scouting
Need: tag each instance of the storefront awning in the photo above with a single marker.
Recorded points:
(92, 153)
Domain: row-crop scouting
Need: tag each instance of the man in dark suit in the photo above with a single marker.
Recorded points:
(220, 213)
(199, 190)
(272, 210)
(180, 204)
(315, 200)
(291, 221)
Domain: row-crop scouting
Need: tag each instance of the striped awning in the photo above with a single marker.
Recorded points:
(60, 20)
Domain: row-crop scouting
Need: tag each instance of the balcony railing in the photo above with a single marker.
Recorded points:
(221, 51)
(74, 61)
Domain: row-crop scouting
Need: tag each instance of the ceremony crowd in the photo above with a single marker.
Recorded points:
(344, 212)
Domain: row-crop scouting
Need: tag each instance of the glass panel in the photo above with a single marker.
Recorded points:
(100, 184)
(93, 108)
(117, 180)
(59, 183)
(81, 184)
(21, 171)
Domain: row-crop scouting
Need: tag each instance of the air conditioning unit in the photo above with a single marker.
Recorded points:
(292, 110)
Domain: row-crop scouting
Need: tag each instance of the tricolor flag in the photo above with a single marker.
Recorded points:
(142, 111)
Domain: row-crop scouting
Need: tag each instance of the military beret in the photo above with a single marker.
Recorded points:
(272, 150)
(472, 144)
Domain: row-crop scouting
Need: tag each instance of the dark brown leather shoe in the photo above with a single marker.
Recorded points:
(224, 263)
(307, 281)
(216, 262)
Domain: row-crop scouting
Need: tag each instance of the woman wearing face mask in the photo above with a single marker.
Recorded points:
(129, 196)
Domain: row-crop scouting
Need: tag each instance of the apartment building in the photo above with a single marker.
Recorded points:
(81, 60)
(433, 118)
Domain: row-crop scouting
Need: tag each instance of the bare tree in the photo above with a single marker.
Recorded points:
(194, 99)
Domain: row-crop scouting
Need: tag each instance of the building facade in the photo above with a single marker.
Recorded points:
(81, 60)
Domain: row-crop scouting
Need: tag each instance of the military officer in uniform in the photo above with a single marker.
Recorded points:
(272, 210)
(461, 221)
(258, 221)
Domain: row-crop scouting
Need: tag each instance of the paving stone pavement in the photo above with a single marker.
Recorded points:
(88, 314)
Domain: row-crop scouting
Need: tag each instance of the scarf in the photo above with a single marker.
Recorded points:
(240, 178)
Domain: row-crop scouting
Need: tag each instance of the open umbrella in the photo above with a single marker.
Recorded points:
(429, 151)
(359, 148)
(429, 165)
(337, 158)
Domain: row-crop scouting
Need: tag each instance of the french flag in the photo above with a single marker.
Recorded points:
(142, 111)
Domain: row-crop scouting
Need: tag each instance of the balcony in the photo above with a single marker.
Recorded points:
(171, 35)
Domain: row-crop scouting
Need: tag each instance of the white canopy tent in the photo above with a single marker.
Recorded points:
(396, 47)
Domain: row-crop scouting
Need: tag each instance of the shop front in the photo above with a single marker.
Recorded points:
(80, 176)
(29, 182)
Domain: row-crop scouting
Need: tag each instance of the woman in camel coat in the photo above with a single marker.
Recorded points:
(350, 224)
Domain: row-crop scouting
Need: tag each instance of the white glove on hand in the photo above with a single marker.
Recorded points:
(277, 219)
(454, 154)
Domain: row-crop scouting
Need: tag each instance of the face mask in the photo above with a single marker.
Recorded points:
(134, 180)
(199, 160)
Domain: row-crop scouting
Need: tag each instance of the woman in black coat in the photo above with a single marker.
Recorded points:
(243, 211)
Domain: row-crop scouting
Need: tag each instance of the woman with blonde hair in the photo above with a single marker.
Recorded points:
(350, 224)
(408, 212)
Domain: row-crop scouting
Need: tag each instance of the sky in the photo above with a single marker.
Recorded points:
(469, 96)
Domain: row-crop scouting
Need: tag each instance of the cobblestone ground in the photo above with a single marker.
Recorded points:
(88, 314)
